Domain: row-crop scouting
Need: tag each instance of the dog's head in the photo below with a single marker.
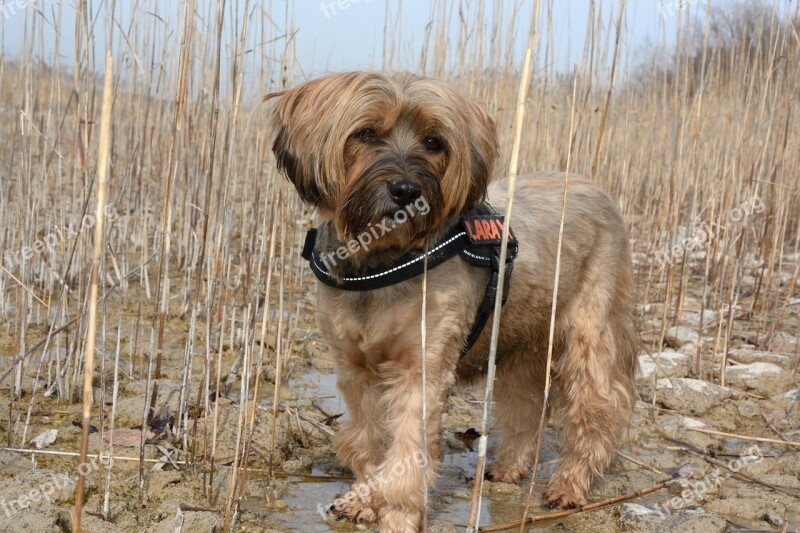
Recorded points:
(375, 150)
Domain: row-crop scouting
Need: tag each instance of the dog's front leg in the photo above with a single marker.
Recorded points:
(361, 442)
(403, 471)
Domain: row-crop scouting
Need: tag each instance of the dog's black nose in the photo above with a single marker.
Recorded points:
(404, 191)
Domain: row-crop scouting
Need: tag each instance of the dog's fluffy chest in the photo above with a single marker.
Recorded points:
(371, 327)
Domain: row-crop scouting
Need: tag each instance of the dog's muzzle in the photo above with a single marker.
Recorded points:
(404, 191)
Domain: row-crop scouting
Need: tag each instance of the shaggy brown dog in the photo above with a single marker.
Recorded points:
(360, 147)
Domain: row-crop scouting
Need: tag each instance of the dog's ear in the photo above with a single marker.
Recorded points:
(311, 124)
(483, 151)
(301, 176)
(301, 119)
(471, 140)
(287, 118)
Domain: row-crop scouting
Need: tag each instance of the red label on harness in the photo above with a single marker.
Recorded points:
(486, 229)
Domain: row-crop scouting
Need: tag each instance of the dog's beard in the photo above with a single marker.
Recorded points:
(369, 214)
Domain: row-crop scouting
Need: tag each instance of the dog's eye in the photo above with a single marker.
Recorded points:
(367, 135)
(433, 144)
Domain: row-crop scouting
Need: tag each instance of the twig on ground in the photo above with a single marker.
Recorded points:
(584, 508)
(745, 437)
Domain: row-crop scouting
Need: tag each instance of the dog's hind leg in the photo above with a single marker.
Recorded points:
(595, 387)
(518, 395)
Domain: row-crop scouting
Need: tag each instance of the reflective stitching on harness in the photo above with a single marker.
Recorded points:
(398, 267)
(479, 257)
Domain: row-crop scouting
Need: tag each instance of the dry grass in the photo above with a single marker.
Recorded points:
(206, 234)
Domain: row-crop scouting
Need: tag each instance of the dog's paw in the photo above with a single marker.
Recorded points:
(355, 506)
(356, 511)
(397, 520)
(555, 497)
(503, 474)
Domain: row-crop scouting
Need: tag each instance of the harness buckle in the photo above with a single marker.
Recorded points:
(507, 279)
(489, 299)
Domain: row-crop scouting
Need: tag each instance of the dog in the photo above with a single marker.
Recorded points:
(363, 146)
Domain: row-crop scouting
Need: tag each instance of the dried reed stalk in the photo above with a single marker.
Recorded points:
(88, 368)
(547, 377)
(475, 510)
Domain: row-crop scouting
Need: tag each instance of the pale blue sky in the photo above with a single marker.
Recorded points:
(352, 37)
(331, 38)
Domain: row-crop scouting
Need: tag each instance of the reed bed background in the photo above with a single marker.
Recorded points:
(200, 278)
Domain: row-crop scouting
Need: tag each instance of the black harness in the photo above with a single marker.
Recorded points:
(476, 238)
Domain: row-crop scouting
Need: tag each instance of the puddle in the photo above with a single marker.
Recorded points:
(308, 496)
(321, 389)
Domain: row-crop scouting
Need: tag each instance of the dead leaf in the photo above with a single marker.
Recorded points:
(126, 437)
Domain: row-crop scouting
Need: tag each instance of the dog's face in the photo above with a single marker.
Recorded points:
(363, 146)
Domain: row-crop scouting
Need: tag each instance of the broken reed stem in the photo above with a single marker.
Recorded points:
(525, 75)
(424, 363)
(582, 509)
(230, 521)
(88, 367)
(602, 128)
(60, 453)
(745, 437)
(216, 398)
(741, 476)
(162, 282)
(547, 378)
(278, 339)
(114, 395)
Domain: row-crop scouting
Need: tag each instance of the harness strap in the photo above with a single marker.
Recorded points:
(476, 239)
(490, 297)
(407, 267)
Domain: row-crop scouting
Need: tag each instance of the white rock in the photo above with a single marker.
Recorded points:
(687, 422)
(696, 384)
(784, 342)
(689, 348)
(672, 364)
(755, 369)
(635, 518)
(679, 427)
(689, 395)
(635, 510)
(764, 378)
(44, 439)
(693, 319)
(745, 355)
(747, 281)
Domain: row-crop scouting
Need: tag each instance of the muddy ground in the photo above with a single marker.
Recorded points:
(760, 400)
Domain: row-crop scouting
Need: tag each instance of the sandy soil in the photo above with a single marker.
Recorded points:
(760, 400)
